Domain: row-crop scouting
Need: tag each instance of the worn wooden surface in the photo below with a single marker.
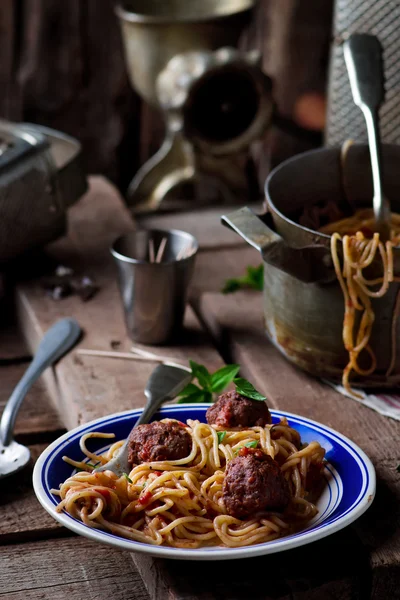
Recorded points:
(204, 224)
(360, 562)
(72, 567)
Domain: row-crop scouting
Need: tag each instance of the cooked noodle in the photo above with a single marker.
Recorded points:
(179, 503)
(360, 248)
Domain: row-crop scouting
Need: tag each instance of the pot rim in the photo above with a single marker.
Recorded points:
(130, 16)
(271, 205)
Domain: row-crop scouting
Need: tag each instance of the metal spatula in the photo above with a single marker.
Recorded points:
(165, 383)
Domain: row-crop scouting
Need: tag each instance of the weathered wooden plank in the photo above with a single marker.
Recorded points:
(73, 567)
(331, 569)
(236, 321)
(204, 224)
(37, 420)
(214, 268)
(86, 387)
(22, 517)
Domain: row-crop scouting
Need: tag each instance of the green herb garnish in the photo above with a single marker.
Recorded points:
(253, 279)
(88, 464)
(208, 383)
(127, 477)
(144, 484)
(221, 435)
(246, 389)
(252, 444)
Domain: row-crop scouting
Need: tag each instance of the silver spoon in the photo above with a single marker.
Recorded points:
(55, 343)
(165, 383)
(363, 57)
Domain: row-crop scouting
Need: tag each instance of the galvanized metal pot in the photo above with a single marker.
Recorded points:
(303, 302)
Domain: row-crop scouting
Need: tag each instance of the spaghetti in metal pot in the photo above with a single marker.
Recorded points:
(180, 503)
(361, 247)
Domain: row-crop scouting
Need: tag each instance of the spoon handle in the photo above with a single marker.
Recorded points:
(363, 57)
(55, 343)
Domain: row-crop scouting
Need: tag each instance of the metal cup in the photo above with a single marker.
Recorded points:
(154, 294)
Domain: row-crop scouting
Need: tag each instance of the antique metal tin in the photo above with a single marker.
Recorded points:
(41, 175)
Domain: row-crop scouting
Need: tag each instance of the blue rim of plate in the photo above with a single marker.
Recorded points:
(349, 491)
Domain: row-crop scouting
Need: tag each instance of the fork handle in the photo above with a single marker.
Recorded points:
(57, 341)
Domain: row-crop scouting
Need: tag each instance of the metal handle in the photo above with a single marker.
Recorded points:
(251, 228)
(156, 397)
(363, 57)
(56, 342)
(308, 264)
(151, 407)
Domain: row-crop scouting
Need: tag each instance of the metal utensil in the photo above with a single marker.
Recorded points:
(363, 57)
(56, 342)
(165, 383)
(154, 293)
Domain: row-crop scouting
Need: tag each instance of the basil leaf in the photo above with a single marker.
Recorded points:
(246, 389)
(231, 285)
(253, 279)
(201, 373)
(199, 396)
(255, 276)
(221, 435)
(223, 377)
(252, 444)
(207, 397)
(127, 477)
(191, 388)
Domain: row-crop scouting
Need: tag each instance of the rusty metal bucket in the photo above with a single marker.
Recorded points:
(303, 302)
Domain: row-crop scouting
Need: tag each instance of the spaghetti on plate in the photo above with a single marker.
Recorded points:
(183, 503)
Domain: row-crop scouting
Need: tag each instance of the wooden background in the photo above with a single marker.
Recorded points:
(62, 65)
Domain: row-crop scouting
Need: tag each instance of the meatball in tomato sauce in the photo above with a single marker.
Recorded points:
(254, 483)
(158, 441)
(234, 410)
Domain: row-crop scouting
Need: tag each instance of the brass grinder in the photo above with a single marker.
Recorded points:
(214, 98)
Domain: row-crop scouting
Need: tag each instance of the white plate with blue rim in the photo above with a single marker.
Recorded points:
(348, 491)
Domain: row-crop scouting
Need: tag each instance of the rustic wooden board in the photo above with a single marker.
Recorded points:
(204, 224)
(292, 575)
(73, 567)
(214, 268)
(22, 517)
(37, 421)
(236, 323)
(84, 388)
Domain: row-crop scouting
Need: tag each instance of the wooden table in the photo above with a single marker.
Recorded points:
(40, 559)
